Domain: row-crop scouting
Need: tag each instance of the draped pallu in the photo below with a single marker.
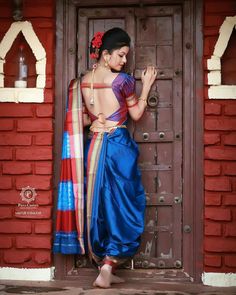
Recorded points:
(101, 200)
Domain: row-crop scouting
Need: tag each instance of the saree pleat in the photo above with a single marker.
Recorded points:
(115, 215)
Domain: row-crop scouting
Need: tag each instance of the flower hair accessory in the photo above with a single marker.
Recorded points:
(96, 44)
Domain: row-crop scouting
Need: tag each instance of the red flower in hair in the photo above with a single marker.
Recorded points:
(94, 55)
(97, 40)
(96, 43)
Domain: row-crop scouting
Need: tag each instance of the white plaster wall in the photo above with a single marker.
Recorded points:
(219, 279)
(216, 89)
(27, 274)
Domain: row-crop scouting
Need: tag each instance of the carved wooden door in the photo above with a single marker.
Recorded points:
(156, 33)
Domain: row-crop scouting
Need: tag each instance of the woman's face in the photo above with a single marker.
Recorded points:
(117, 58)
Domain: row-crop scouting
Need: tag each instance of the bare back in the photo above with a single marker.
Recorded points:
(105, 101)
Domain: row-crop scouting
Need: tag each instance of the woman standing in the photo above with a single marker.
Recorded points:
(115, 198)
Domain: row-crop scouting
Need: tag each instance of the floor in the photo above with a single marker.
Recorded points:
(137, 283)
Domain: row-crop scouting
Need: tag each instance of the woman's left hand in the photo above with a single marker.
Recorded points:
(148, 76)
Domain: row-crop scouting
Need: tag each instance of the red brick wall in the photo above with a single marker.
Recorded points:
(26, 154)
(220, 157)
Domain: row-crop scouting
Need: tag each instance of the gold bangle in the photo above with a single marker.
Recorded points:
(144, 100)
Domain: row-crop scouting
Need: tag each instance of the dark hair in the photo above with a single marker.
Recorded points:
(112, 39)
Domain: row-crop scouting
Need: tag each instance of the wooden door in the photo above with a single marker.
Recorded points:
(156, 33)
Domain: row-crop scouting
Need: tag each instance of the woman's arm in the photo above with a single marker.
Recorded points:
(136, 106)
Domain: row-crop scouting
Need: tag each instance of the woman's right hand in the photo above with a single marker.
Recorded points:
(148, 76)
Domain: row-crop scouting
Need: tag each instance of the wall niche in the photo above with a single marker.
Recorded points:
(22, 33)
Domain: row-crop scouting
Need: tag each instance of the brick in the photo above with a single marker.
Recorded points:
(205, 79)
(219, 244)
(44, 227)
(49, 68)
(5, 11)
(16, 168)
(212, 199)
(48, 96)
(233, 180)
(6, 124)
(34, 153)
(205, 89)
(230, 109)
(5, 182)
(212, 260)
(211, 138)
(230, 139)
(217, 7)
(212, 229)
(9, 197)
(229, 200)
(47, 38)
(44, 139)
(45, 110)
(43, 168)
(6, 154)
(15, 227)
(230, 230)
(225, 124)
(210, 31)
(219, 214)
(230, 260)
(49, 81)
(212, 109)
(38, 11)
(33, 212)
(44, 197)
(5, 212)
(15, 139)
(16, 110)
(217, 184)
(36, 181)
(33, 242)
(220, 153)
(14, 256)
(34, 125)
(212, 168)
(230, 168)
(43, 23)
(43, 257)
(5, 242)
(209, 44)
(212, 20)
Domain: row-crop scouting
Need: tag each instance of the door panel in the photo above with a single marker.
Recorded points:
(156, 33)
(159, 42)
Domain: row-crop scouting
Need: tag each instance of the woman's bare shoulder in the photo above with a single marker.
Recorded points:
(86, 76)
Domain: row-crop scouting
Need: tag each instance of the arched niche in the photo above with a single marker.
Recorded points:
(217, 90)
(23, 94)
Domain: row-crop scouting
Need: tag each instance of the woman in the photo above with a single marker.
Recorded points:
(115, 198)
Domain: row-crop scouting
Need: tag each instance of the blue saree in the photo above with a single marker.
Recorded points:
(115, 195)
(106, 218)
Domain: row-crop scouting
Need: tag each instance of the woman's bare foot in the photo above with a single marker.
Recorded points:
(104, 278)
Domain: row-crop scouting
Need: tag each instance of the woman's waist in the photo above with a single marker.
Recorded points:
(107, 129)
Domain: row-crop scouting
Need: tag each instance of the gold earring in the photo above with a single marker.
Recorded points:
(106, 63)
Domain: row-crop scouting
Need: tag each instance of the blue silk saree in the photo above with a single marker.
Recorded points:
(113, 195)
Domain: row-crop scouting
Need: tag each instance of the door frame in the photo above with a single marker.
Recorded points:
(193, 103)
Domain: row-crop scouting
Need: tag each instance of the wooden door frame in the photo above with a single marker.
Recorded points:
(66, 58)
